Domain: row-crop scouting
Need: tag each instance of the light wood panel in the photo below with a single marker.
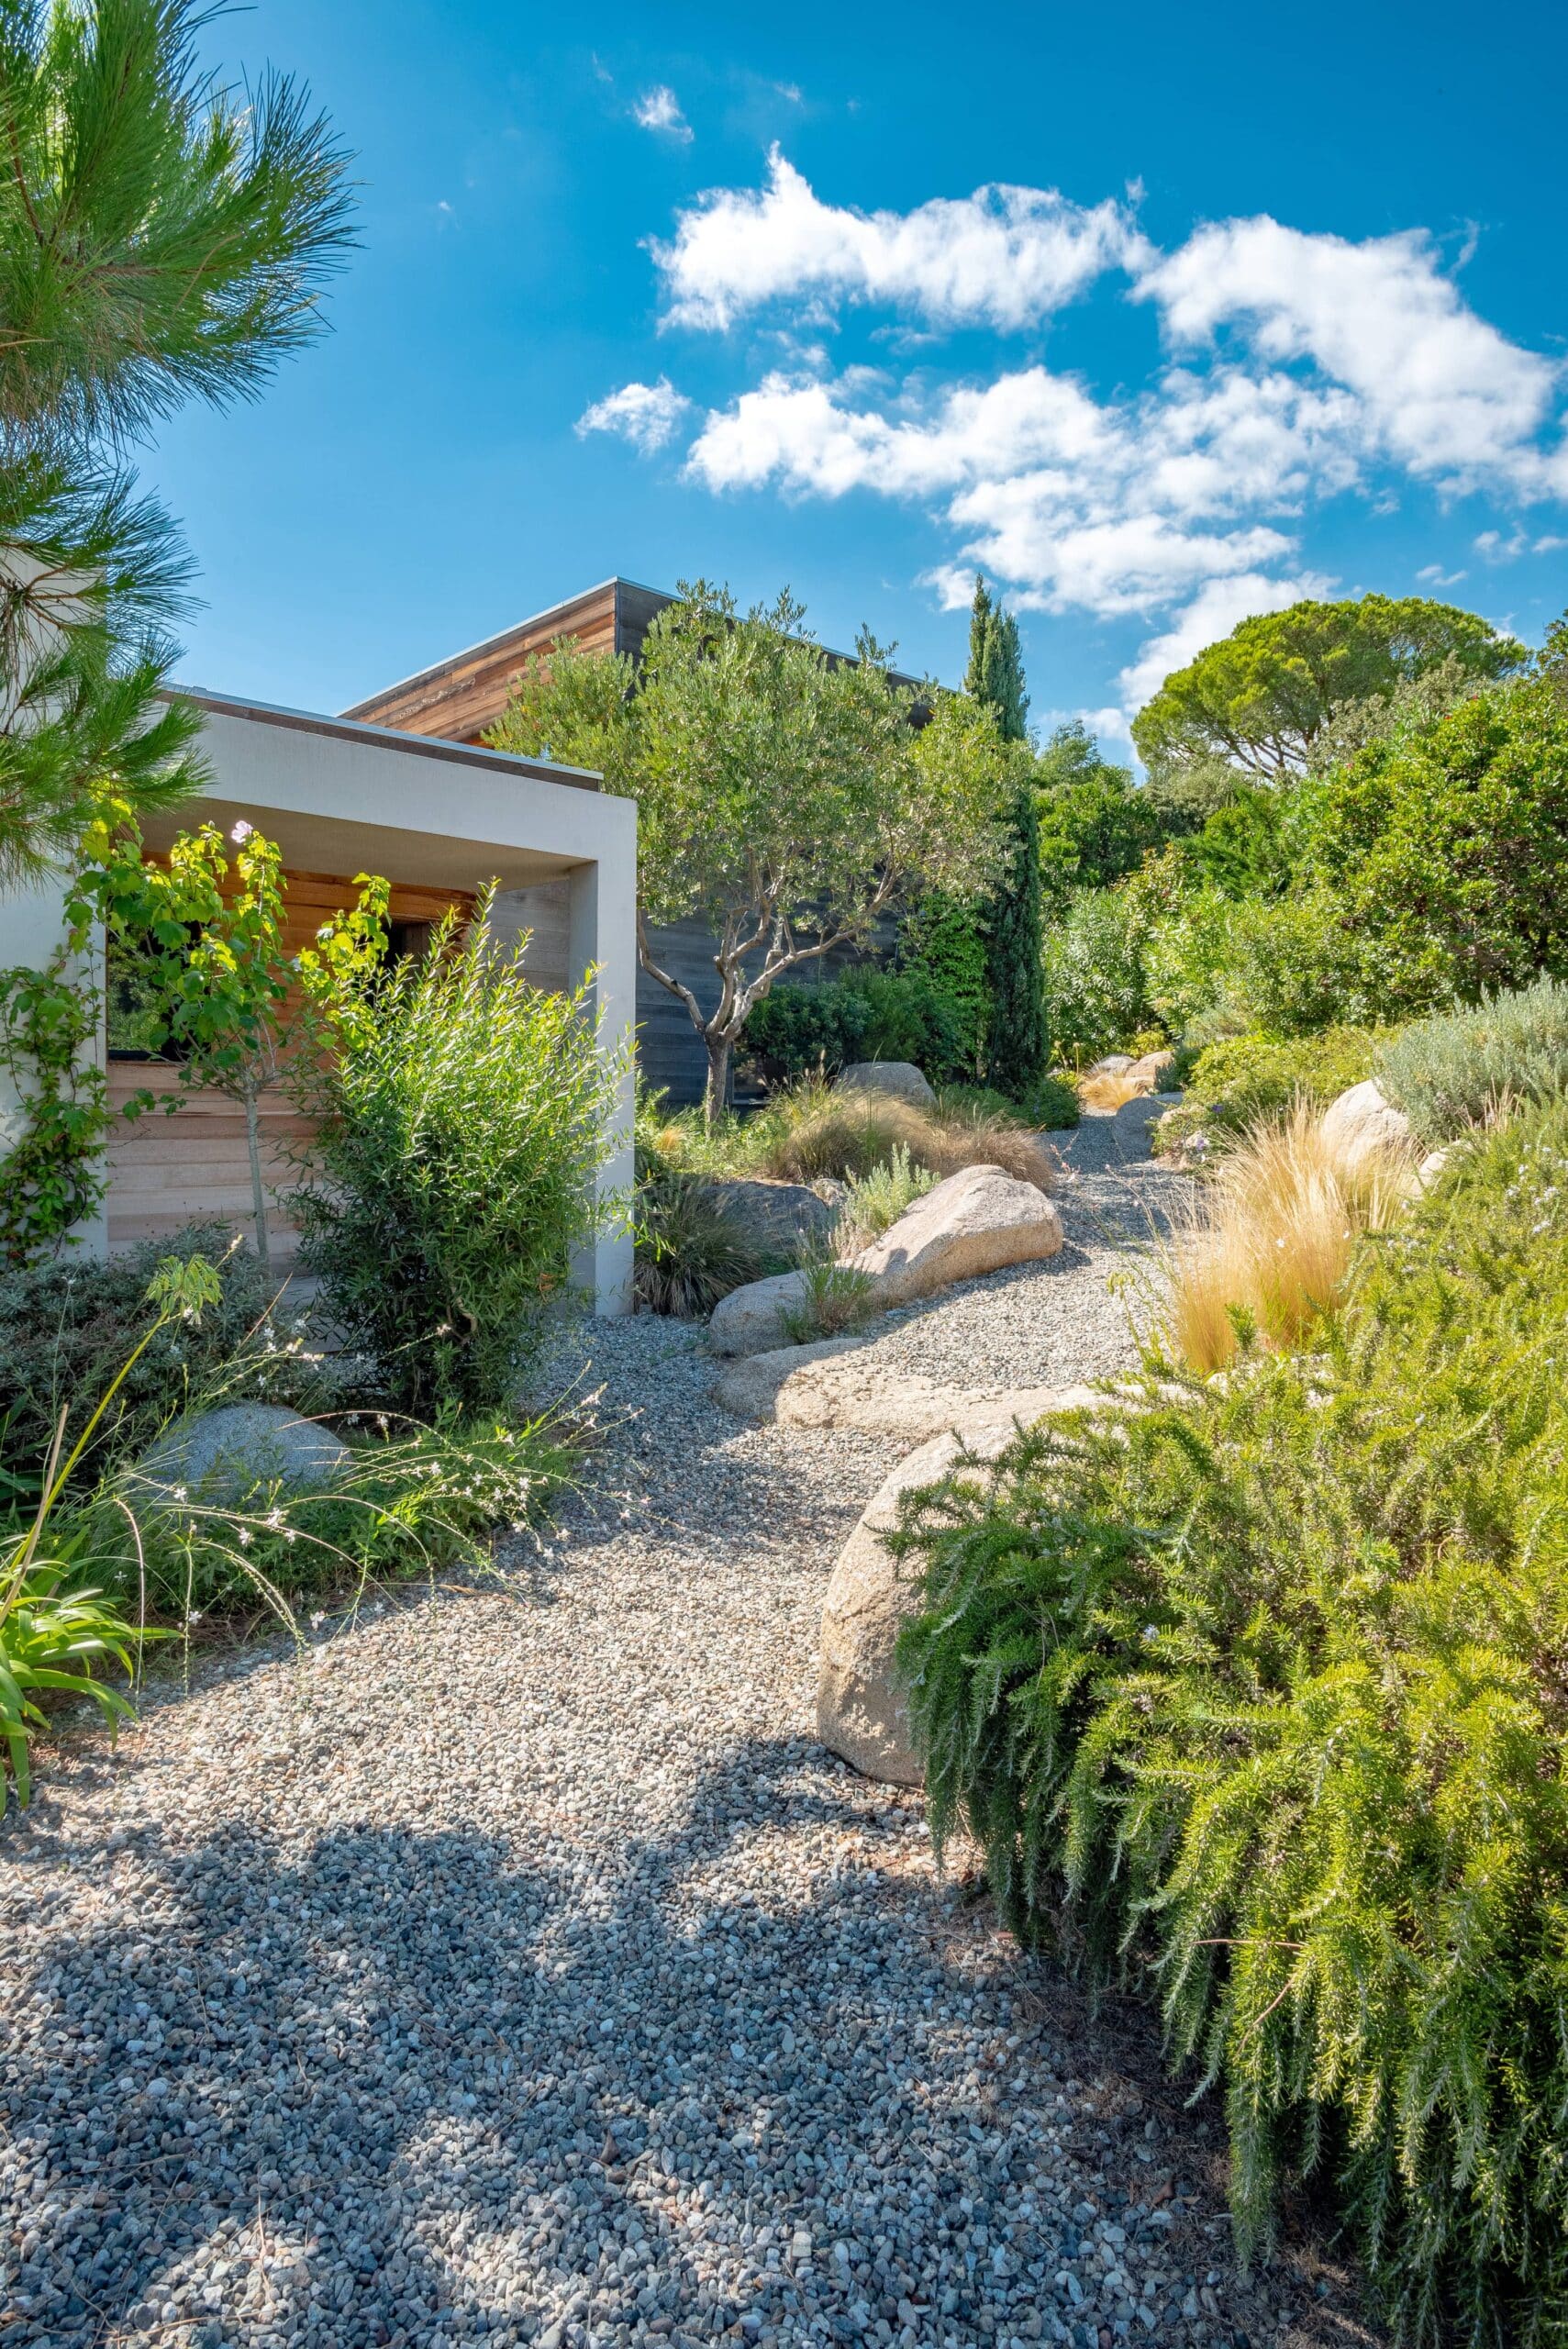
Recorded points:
(171, 1167)
(459, 698)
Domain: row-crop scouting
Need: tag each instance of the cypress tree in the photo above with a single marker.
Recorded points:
(1019, 1045)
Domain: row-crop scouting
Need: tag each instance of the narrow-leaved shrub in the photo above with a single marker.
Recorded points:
(875, 1201)
(464, 1115)
(1254, 1695)
(1456, 1069)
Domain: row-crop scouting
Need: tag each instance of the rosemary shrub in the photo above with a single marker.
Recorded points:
(1255, 1697)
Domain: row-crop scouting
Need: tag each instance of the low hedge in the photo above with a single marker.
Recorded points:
(1457, 1069)
(1231, 1085)
(1254, 1695)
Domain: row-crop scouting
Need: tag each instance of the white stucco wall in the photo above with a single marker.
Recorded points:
(341, 799)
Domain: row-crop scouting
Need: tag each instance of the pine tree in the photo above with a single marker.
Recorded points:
(161, 237)
(1017, 1041)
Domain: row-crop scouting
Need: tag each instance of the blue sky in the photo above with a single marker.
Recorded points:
(1158, 315)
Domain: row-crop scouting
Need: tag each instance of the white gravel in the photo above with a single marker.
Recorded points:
(512, 1965)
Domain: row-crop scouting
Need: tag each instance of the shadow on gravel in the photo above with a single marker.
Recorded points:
(283, 2055)
(395, 2090)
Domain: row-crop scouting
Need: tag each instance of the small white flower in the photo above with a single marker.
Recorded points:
(194, 1616)
(245, 1537)
(243, 831)
(180, 1493)
(274, 1520)
(317, 1618)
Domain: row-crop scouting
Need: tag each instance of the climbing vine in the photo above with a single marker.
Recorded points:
(53, 1177)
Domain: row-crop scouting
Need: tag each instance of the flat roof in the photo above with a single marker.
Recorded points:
(535, 619)
(390, 738)
(491, 643)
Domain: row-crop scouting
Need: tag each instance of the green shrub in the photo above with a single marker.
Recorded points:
(67, 1327)
(1445, 849)
(1287, 965)
(1097, 991)
(870, 1015)
(944, 941)
(1253, 1696)
(810, 1026)
(1051, 1104)
(461, 1122)
(1448, 1073)
(1241, 1080)
(875, 1201)
(689, 1253)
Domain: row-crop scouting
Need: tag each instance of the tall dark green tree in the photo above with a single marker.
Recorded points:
(1017, 1044)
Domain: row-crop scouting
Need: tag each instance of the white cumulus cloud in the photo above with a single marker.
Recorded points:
(644, 413)
(1114, 508)
(659, 109)
(1446, 396)
(1293, 368)
(1004, 256)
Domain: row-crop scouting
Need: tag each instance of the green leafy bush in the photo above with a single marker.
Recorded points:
(1445, 849)
(1448, 1073)
(689, 1253)
(462, 1119)
(1051, 1104)
(944, 941)
(67, 1327)
(1288, 966)
(1241, 1080)
(1097, 988)
(870, 1014)
(1050, 1101)
(1253, 1696)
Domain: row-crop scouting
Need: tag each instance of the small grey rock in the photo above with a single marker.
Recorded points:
(226, 1453)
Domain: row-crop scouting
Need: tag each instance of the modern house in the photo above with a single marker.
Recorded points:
(439, 821)
(462, 696)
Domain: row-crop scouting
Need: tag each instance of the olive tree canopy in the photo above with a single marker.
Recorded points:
(784, 798)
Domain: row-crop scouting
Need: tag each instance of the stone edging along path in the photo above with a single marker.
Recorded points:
(516, 1966)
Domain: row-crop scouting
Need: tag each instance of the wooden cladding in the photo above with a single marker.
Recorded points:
(169, 1168)
(460, 698)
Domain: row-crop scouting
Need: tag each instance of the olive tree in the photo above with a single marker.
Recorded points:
(786, 797)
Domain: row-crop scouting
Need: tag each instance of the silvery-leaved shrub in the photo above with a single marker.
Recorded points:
(1460, 1068)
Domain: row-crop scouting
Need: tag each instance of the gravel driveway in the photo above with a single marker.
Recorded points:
(512, 1965)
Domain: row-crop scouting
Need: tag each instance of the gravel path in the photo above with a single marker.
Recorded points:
(512, 1965)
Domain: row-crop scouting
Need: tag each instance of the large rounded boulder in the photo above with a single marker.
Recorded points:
(980, 1220)
(1362, 1122)
(862, 1711)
